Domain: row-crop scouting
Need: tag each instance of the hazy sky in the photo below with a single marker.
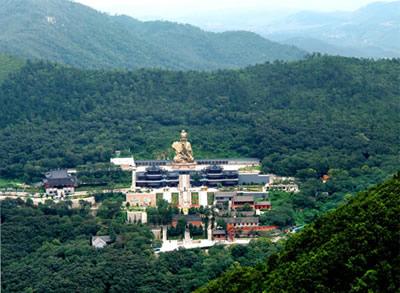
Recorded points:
(171, 9)
(220, 15)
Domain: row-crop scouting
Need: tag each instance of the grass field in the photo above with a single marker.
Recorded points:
(7, 183)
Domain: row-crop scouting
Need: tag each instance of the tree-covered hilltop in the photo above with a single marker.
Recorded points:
(71, 33)
(47, 249)
(303, 118)
(324, 115)
(8, 65)
(352, 249)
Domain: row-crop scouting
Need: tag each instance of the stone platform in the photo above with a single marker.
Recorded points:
(183, 166)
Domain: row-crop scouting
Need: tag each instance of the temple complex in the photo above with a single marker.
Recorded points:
(184, 181)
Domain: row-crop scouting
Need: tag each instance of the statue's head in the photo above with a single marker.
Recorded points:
(184, 135)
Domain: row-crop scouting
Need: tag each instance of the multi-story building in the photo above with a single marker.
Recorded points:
(158, 177)
(59, 183)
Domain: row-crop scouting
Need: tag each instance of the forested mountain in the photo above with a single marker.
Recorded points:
(47, 249)
(73, 34)
(9, 64)
(371, 31)
(324, 115)
(352, 249)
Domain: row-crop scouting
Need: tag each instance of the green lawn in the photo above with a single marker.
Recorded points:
(7, 183)
(250, 169)
(101, 188)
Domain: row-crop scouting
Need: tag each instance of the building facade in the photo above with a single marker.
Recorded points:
(59, 183)
(212, 176)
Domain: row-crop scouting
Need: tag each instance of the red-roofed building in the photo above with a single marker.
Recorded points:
(263, 205)
(240, 201)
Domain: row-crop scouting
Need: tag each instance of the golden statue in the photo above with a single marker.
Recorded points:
(183, 150)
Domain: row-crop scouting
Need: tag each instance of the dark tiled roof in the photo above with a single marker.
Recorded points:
(225, 194)
(243, 213)
(243, 198)
(188, 218)
(219, 232)
(239, 220)
(59, 178)
(57, 174)
(153, 168)
(214, 168)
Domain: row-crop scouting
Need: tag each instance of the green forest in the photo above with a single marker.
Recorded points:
(352, 249)
(9, 64)
(323, 115)
(47, 249)
(81, 85)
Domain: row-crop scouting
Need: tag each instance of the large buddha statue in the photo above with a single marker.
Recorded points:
(183, 149)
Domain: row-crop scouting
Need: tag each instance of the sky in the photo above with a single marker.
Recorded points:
(179, 8)
(220, 14)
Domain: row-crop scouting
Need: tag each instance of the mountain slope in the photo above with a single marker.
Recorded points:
(73, 34)
(296, 116)
(371, 31)
(8, 65)
(352, 249)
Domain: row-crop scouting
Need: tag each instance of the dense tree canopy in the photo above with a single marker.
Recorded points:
(9, 64)
(303, 118)
(352, 249)
(47, 249)
(322, 116)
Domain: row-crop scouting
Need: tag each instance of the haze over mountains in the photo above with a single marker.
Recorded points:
(372, 31)
(74, 34)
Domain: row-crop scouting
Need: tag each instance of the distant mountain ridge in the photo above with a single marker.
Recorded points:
(73, 34)
(371, 31)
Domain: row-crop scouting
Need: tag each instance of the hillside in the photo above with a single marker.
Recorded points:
(324, 115)
(8, 65)
(73, 34)
(352, 249)
(371, 31)
(50, 246)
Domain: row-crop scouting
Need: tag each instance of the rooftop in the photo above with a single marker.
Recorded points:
(188, 218)
(57, 178)
(200, 161)
(225, 194)
(105, 238)
(219, 232)
(58, 174)
(243, 213)
(242, 198)
(239, 220)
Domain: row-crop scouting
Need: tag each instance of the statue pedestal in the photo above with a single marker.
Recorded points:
(183, 166)
(185, 195)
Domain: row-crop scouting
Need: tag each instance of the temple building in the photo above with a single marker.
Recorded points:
(241, 201)
(212, 176)
(216, 176)
(185, 181)
(59, 183)
(194, 220)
